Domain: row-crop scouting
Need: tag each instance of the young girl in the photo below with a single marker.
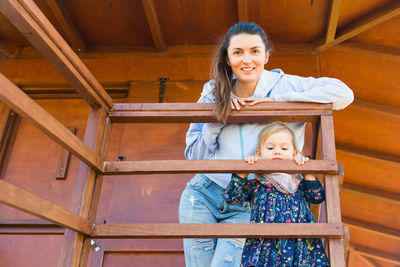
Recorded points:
(279, 198)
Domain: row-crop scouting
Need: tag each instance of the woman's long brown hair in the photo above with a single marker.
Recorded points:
(222, 72)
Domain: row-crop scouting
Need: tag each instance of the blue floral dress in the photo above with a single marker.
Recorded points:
(271, 206)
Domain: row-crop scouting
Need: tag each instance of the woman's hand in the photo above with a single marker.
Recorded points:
(255, 101)
(237, 102)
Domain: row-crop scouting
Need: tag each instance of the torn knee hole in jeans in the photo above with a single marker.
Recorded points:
(237, 242)
(206, 244)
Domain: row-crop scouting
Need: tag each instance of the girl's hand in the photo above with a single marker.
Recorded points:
(255, 101)
(251, 159)
(300, 159)
(236, 102)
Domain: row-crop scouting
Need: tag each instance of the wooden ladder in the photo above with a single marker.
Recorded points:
(79, 219)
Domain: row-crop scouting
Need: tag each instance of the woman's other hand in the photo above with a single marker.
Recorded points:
(236, 102)
(255, 101)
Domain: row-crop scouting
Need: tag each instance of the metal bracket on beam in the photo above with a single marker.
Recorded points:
(163, 83)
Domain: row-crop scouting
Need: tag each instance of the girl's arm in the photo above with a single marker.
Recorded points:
(320, 90)
(202, 138)
(314, 193)
(240, 189)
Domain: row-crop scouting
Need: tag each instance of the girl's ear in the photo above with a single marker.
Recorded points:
(258, 153)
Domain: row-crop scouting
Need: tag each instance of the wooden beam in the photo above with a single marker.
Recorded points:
(243, 11)
(332, 201)
(216, 166)
(213, 230)
(67, 25)
(376, 254)
(152, 19)
(371, 227)
(85, 196)
(204, 112)
(333, 19)
(31, 22)
(373, 50)
(8, 121)
(20, 199)
(367, 22)
(13, 97)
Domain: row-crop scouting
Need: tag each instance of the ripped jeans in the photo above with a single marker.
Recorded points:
(203, 201)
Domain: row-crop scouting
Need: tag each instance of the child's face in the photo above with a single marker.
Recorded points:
(278, 146)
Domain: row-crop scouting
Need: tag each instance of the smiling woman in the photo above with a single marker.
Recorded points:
(239, 79)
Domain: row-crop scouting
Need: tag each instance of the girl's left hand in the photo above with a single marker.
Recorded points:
(300, 159)
(255, 101)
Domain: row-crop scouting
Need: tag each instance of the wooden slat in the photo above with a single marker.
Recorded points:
(152, 19)
(67, 25)
(85, 197)
(381, 15)
(332, 201)
(29, 20)
(12, 96)
(20, 199)
(213, 230)
(333, 20)
(372, 228)
(243, 13)
(216, 166)
(376, 254)
(203, 112)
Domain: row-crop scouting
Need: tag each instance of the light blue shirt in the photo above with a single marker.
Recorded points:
(220, 141)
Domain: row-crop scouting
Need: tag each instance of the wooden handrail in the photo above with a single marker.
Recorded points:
(216, 166)
(204, 112)
(214, 230)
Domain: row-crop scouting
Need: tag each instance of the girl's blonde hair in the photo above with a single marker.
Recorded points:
(271, 129)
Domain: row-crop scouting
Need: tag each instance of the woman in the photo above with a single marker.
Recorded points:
(239, 77)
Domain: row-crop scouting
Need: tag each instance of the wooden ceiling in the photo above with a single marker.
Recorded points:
(357, 41)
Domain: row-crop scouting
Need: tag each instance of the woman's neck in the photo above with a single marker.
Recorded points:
(243, 89)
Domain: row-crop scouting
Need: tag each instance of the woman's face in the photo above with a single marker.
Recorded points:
(278, 146)
(247, 56)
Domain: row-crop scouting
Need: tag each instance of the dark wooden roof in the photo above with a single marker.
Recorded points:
(356, 41)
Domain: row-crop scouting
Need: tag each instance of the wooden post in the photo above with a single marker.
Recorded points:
(332, 202)
(87, 189)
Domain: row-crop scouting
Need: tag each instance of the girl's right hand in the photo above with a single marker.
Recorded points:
(251, 159)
